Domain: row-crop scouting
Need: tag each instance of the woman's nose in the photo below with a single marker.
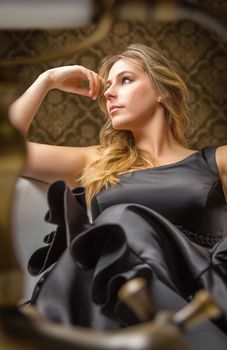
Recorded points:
(110, 93)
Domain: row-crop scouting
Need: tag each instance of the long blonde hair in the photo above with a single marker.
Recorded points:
(119, 152)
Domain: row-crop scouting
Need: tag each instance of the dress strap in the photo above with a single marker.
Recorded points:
(209, 154)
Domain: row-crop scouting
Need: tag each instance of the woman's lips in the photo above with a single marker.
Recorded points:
(114, 109)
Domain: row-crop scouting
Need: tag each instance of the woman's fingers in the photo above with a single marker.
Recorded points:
(76, 79)
(91, 84)
(94, 84)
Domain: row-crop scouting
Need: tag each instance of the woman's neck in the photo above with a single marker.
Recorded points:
(158, 141)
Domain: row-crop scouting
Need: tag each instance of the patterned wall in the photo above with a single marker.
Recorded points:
(199, 53)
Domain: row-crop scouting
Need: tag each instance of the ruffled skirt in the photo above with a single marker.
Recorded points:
(83, 266)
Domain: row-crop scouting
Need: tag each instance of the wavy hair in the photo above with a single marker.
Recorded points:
(119, 152)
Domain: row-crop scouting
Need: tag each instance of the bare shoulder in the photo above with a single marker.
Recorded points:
(221, 158)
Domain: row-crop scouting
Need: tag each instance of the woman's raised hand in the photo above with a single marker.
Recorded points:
(75, 79)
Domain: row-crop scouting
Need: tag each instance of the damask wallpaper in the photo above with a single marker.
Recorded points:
(198, 52)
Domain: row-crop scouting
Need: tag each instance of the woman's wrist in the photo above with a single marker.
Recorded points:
(46, 80)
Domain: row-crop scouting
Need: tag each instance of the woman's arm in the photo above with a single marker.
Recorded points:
(50, 163)
(46, 162)
(23, 110)
(221, 157)
(67, 78)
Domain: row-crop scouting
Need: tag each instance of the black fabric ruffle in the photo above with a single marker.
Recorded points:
(67, 210)
(125, 241)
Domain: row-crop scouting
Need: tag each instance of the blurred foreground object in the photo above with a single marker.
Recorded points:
(30, 330)
(55, 14)
(42, 14)
(136, 295)
(12, 158)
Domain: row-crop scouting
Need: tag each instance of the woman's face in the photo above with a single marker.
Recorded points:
(131, 100)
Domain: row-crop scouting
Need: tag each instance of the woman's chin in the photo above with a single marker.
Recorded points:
(119, 125)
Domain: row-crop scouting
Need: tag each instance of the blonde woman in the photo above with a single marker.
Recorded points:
(158, 206)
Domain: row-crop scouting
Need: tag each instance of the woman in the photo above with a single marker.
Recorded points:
(158, 207)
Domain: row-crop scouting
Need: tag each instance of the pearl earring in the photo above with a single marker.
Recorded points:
(159, 99)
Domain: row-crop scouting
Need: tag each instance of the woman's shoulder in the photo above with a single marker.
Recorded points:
(222, 149)
(221, 158)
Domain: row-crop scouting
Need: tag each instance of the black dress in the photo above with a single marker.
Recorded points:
(166, 224)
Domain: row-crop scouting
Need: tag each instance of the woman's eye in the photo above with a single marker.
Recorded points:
(126, 80)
